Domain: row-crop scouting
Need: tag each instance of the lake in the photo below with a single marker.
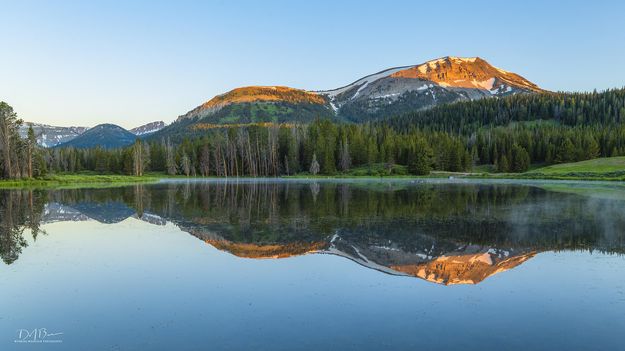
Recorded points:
(314, 264)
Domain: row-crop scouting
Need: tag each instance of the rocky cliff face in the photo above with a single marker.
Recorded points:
(469, 73)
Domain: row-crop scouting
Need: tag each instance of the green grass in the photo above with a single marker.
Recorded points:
(484, 169)
(378, 170)
(598, 165)
(76, 180)
(611, 169)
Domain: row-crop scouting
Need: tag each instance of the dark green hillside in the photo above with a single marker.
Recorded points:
(274, 112)
(106, 136)
(570, 109)
(279, 112)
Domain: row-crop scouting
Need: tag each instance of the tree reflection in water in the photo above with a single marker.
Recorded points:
(19, 210)
(445, 233)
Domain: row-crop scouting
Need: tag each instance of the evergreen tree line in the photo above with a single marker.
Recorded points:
(321, 147)
(514, 148)
(570, 109)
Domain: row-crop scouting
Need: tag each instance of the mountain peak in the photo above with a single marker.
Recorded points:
(107, 126)
(409, 88)
(255, 94)
(466, 72)
(263, 93)
(456, 58)
(106, 135)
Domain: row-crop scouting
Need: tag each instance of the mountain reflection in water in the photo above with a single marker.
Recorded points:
(447, 233)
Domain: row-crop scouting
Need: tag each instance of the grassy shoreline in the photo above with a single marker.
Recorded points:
(603, 169)
(586, 176)
(76, 180)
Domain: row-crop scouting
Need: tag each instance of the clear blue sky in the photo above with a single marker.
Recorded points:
(132, 62)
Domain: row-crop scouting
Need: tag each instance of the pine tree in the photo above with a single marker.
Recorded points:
(520, 159)
(566, 151)
(420, 158)
(503, 165)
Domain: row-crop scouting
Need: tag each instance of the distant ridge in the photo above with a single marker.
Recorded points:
(148, 129)
(51, 136)
(107, 136)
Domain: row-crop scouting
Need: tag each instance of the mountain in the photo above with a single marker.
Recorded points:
(462, 264)
(109, 212)
(148, 129)
(465, 268)
(390, 92)
(50, 136)
(104, 212)
(261, 104)
(403, 89)
(254, 104)
(108, 136)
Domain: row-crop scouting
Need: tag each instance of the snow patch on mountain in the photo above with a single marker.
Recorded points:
(487, 84)
(363, 83)
(149, 128)
(50, 136)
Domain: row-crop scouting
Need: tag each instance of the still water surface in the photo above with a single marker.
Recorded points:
(308, 265)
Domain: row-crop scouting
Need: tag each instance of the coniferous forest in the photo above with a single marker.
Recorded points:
(509, 133)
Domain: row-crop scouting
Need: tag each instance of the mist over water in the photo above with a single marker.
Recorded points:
(364, 264)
